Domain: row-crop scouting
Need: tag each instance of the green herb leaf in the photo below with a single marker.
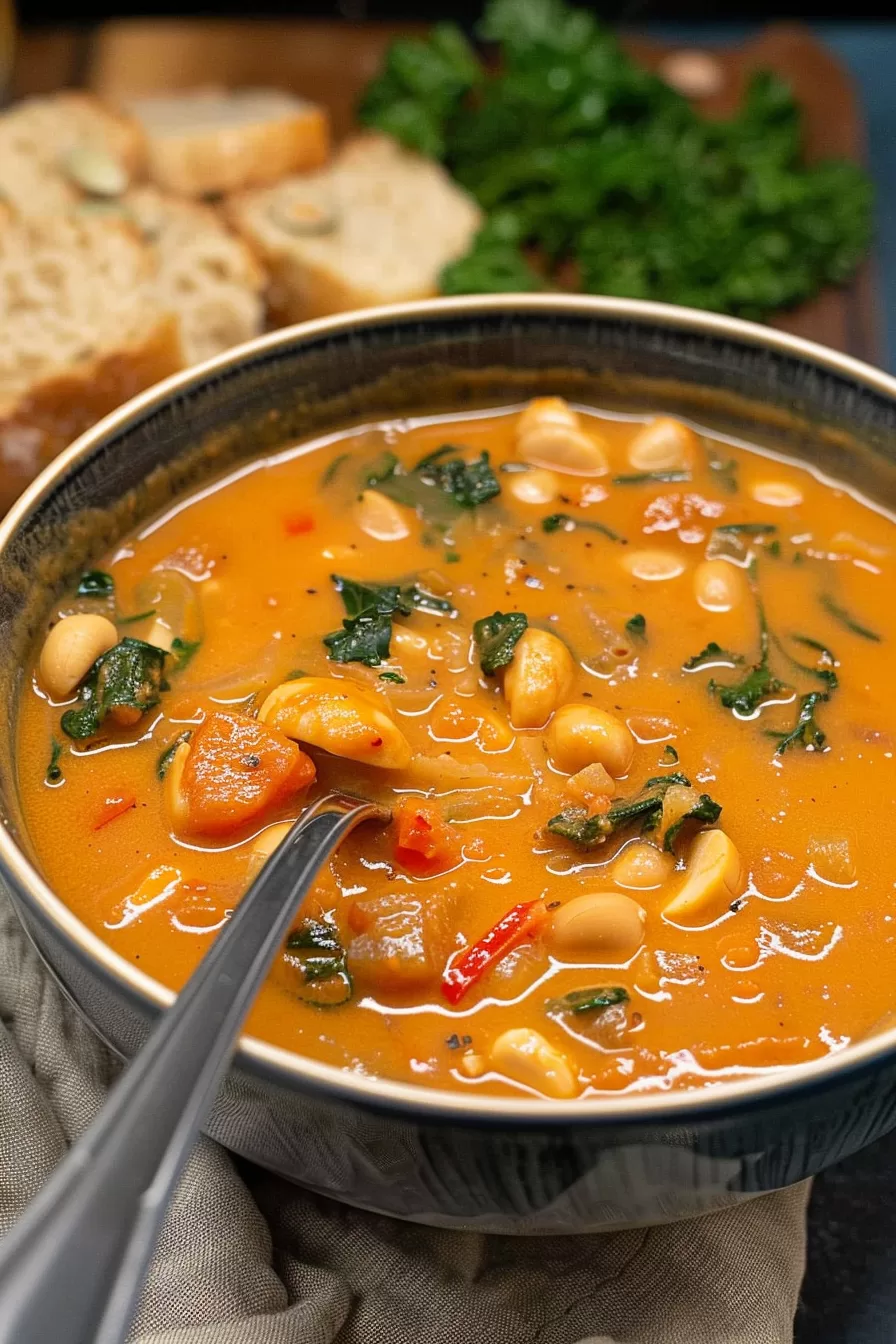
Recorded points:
(167, 756)
(469, 484)
(130, 676)
(497, 636)
(334, 469)
(644, 808)
(704, 810)
(363, 639)
(805, 733)
(670, 755)
(54, 770)
(747, 529)
(137, 616)
(184, 651)
(316, 952)
(652, 477)
(636, 627)
(295, 673)
(393, 676)
(588, 1000)
(555, 521)
(744, 697)
(96, 583)
(846, 620)
(711, 656)
(381, 468)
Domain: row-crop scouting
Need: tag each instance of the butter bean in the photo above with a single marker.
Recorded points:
(528, 1058)
(70, 650)
(597, 927)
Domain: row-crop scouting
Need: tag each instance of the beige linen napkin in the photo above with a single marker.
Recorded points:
(246, 1258)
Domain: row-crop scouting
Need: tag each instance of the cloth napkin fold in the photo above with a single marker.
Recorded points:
(247, 1258)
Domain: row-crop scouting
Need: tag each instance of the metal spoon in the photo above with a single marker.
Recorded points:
(72, 1268)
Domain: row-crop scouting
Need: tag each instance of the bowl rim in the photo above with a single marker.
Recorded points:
(292, 1070)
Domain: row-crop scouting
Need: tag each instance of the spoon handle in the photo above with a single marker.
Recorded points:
(72, 1269)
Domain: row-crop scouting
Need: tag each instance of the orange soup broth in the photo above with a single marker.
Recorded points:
(800, 965)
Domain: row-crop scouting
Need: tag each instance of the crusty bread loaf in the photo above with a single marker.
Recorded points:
(54, 151)
(81, 330)
(204, 272)
(377, 226)
(210, 142)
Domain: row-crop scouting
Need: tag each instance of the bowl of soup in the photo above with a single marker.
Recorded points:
(591, 595)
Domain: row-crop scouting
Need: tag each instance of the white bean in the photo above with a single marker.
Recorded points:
(70, 650)
(598, 926)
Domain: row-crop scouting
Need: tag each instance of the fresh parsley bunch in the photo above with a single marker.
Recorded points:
(584, 161)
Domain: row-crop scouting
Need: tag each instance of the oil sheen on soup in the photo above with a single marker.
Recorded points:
(623, 686)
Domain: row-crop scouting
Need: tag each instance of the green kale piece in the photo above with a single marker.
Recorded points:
(497, 637)
(129, 676)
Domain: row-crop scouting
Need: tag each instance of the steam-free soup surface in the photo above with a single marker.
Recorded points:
(627, 689)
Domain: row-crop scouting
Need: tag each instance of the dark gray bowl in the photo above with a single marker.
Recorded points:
(496, 1164)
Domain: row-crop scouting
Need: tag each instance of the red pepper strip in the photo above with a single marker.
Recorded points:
(298, 523)
(472, 964)
(114, 807)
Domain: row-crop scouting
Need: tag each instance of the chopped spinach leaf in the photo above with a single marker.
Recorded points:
(555, 521)
(773, 548)
(130, 677)
(334, 469)
(636, 626)
(469, 484)
(711, 656)
(367, 630)
(137, 616)
(315, 950)
(96, 583)
(705, 810)
(363, 639)
(744, 697)
(393, 676)
(452, 558)
(747, 529)
(497, 636)
(845, 619)
(588, 1000)
(164, 762)
(644, 807)
(382, 468)
(670, 755)
(295, 673)
(824, 669)
(184, 651)
(54, 769)
(652, 477)
(805, 733)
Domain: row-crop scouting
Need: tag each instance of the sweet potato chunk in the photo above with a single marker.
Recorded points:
(235, 769)
(402, 940)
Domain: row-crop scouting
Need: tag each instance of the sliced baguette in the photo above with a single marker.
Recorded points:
(205, 273)
(209, 142)
(80, 332)
(377, 226)
(56, 151)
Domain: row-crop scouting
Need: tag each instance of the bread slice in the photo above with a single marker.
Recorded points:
(377, 226)
(81, 331)
(205, 273)
(208, 142)
(56, 151)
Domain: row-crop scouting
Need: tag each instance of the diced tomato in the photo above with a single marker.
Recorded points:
(114, 807)
(424, 842)
(297, 524)
(520, 922)
(236, 768)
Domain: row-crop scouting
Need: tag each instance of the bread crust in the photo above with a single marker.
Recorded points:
(59, 407)
(204, 162)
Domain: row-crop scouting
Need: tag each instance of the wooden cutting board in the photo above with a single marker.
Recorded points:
(331, 63)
